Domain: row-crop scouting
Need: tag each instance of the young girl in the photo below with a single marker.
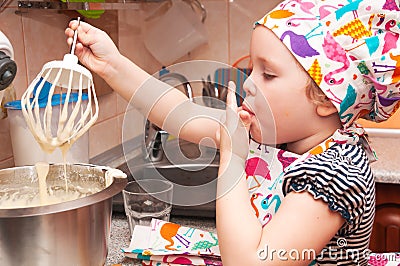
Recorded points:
(317, 67)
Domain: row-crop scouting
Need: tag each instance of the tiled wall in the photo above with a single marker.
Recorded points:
(38, 37)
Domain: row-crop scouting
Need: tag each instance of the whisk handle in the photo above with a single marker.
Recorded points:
(75, 38)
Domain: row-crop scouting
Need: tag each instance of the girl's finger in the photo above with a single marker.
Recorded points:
(232, 119)
(218, 135)
(245, 117)
(231, 97)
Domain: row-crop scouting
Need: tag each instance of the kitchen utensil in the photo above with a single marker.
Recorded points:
(62, 77)
(178, 31)
(211, 96)
(206, 93)
(68, 233)
(8, 70)
(211, 87)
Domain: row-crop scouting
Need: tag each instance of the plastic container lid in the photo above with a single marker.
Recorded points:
(57, 99)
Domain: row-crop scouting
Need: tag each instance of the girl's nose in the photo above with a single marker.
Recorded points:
(249, 87)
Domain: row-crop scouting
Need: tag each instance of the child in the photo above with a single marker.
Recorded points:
(317, 67)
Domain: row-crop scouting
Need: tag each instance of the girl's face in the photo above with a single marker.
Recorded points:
(275, 93)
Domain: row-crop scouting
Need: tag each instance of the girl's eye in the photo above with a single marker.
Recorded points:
(268, 76)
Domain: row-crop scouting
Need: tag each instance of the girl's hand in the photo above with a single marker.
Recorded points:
(234, 133)
(94, 48)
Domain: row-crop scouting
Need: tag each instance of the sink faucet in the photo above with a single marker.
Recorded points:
(155, 136)
(176, 79)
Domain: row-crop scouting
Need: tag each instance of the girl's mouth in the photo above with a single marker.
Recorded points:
(247, 109)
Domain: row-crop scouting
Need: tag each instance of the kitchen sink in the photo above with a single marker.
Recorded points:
(194, 184)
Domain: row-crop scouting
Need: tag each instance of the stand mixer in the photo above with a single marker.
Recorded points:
(8, 69)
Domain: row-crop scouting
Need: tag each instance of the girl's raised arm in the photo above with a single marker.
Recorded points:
(165, 106)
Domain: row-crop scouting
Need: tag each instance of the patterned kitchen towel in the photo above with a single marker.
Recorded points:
(160, 260)
(172, 243)
(165, 243)
(158, 263)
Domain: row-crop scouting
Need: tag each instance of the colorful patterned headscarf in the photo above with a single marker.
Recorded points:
(350, 48)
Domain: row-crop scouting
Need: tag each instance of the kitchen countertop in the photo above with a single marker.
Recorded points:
(119, 236)
(387, 168)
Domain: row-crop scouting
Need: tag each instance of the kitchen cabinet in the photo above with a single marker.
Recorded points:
(386, 231)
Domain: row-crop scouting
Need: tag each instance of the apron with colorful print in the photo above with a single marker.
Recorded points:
(266, 167)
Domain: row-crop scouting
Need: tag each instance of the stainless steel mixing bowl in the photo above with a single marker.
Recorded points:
(68, 233)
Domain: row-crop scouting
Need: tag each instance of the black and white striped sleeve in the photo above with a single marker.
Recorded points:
(339, 176)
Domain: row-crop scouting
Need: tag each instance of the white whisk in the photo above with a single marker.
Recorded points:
(53, 88)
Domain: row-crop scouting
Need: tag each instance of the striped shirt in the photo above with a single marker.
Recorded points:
(341, 176)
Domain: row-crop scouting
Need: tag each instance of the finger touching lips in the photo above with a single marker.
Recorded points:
(245, 108)
(245, 117)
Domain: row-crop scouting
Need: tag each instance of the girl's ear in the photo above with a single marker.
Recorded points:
(326, 108)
